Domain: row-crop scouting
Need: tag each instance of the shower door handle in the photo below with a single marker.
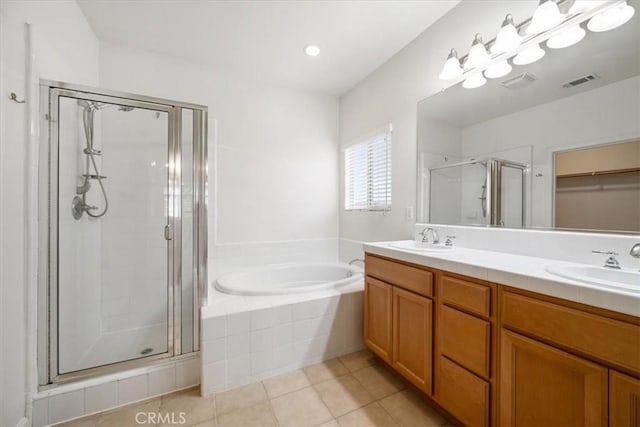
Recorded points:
(167, 232)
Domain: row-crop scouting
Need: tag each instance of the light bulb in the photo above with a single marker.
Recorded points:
(567, 38)
(452, 68)
(529, 55)
(474, 81)
(478, 55)
(507, 38)
(497, 70)
(611, 18)
(546, 16)
(312, 50)
(580, 6)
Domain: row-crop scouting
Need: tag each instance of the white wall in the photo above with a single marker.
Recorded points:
(391, 93)
(273, 164)
(602, 115)
(64, 48)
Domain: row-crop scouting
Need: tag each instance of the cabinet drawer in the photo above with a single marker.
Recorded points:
(465, 339)
(462, 393)
(611, 341)
(467, 295)
(404, 276)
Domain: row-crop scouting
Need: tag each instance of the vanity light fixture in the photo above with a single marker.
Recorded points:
(546, 16)
(497, 70)
(529, 55)
(611, 18)
(478, 55)
(452, 67)
(312, 50)
(507, 38)
(566, 38)
(474, 81)
(547, 25)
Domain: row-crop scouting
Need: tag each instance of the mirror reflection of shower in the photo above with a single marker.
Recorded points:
(91, 172)
(489, 191)
(483, 192)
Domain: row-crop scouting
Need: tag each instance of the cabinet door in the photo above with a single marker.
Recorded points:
(412, 320)
(377, 317)
(543, 386)
(624, 400)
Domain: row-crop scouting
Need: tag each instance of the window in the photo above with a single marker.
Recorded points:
(367, 166)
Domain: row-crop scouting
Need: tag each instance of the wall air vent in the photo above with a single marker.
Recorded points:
(580, 80)
(519, 81)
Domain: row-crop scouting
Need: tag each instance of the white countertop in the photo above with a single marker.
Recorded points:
(518, 271)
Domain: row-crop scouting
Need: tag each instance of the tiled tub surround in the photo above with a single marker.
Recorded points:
(248, 339)
(99, 394)
(518, 258)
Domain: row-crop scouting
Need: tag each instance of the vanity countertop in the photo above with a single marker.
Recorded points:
(518, 271)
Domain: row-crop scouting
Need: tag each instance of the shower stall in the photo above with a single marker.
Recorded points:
(478, 192)
(123, 230)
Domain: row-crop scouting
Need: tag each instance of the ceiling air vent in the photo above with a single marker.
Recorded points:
(580, 80)
(519, 81)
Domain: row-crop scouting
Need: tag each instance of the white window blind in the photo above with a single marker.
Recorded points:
(368, 174)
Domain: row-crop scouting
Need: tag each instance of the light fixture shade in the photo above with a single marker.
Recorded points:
(507, 38)
(546, 16)
(497, 70)
(478, 55)
(452, 68)
(474, 81)
(568, 37)
(611, 18)
(580, 6)
(529, 55)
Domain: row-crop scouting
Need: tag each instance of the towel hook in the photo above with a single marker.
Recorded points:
(15, 99)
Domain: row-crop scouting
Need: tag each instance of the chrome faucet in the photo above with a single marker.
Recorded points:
(635, 250)
(611, 262)
(434, 235)
(353, 261)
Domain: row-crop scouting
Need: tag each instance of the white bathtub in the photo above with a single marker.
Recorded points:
(282, 279)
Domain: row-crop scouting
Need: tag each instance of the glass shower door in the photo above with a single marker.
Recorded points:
(115, 208)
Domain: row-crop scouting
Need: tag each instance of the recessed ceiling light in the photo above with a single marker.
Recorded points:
(312, 50)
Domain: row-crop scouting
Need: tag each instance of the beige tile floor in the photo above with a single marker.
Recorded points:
(353, 390)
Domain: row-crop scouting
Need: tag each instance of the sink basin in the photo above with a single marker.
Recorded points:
(412, 245)
(625, 279)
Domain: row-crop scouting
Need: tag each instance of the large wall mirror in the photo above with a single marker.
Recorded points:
(554, 144)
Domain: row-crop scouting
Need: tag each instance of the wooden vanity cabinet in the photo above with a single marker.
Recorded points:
(496, 355)
(559, 363)
(398, 318)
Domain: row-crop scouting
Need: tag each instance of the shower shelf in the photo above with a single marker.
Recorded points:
(92, 176)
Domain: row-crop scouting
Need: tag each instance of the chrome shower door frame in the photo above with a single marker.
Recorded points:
(48, 369)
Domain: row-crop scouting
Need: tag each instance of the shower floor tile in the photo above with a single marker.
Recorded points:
(297, 402)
